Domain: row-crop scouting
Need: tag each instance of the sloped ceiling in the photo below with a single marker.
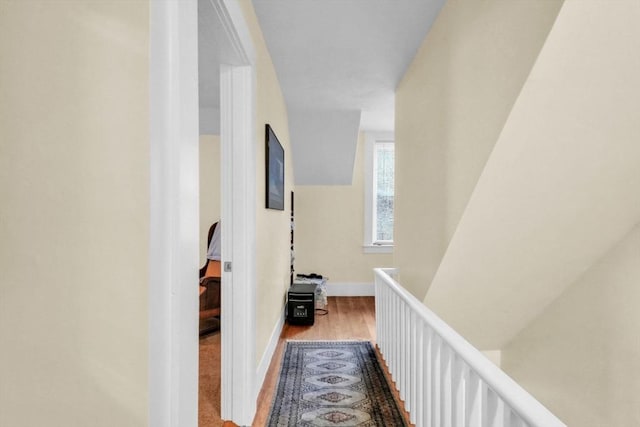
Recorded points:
(338, 63)
(561, 187)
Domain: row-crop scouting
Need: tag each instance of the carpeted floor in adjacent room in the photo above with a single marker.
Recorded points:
(209, 387)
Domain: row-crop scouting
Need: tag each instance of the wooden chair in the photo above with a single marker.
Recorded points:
(212, 229)
(210, 301)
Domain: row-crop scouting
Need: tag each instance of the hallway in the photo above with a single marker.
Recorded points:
(348, 318)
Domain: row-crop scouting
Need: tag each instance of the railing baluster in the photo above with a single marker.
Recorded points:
(484, 404)
(387, 322)
(411, 357)
(402, 366)
(501, 413)
(394, 338)
(435, 382)
(445, 385)
(516, 421)
(389, 345)
(473, 401)
(428, 376)
(380, 317)
(399, 349)
(444, 381)
(407, 355)
(458, 392)
(497, 412)
(398, 340)
(406, 362)
(419, 375)
(377, 290)
(378, 307)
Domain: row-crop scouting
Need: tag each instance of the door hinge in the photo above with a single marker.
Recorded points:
(227, 266)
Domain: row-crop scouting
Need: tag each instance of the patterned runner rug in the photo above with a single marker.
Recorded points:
(333, 383)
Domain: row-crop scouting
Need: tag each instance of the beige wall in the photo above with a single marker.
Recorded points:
(74, 213)
(329, 230)
(272, 226)
(209, 188)
(450, 108)
(562, 185)
(581, 356)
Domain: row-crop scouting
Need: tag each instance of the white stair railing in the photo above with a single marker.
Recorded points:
(443, 380)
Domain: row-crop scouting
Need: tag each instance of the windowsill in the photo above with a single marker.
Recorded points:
(377, 249)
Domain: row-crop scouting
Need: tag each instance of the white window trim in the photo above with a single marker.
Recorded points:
(370, 246)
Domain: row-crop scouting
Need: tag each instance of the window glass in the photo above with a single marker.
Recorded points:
(383, 192)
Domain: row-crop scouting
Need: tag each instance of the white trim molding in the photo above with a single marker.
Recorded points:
(237, 135)
(350, 289)
(174, 211)
(173, 214)
(238, 187)
(377, 249)
(239, 36)
(265, 361)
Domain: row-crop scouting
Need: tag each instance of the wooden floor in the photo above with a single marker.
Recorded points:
(348, 318)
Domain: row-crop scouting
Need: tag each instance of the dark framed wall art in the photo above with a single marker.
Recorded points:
(274, 170)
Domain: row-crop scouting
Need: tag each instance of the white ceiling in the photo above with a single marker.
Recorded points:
(338, 63)
(214, 49)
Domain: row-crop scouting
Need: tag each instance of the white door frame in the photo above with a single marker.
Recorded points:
(174, 216)
(237, 135)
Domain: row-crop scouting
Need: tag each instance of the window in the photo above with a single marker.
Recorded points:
(379, 192)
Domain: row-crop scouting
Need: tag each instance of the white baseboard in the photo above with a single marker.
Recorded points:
(261, 372)
(334, 289)
(350, 289)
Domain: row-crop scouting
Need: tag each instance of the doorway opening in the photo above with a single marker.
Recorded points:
(174, 224)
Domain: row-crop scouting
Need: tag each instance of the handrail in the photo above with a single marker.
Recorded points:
(520, 402)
